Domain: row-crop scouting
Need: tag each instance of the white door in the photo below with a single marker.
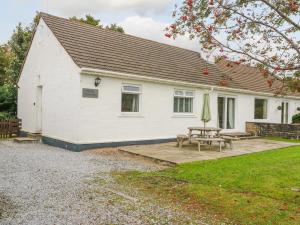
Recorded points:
(39, 109)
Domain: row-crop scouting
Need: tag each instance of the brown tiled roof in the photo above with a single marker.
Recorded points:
(97, 48)
(249, 78)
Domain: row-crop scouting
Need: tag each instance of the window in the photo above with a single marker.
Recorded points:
(183, 101)
(226, 112)
(260, 108)
(130, 98)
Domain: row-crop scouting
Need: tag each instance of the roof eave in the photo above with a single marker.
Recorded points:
(119, 75)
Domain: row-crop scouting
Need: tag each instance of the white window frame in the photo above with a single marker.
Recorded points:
(138, 92)
(184, 94)
(261, 98)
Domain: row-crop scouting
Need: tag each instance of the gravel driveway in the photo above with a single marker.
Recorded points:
(40, 184)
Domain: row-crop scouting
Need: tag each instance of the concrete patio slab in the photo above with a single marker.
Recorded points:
(169, 152)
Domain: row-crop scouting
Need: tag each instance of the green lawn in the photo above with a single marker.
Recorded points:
(283, 139)
(260, 188)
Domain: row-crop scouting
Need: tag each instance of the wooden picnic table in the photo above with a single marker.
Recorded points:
(204, 132)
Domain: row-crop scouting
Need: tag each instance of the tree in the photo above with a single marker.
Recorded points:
(87, 20)
(14, 54)
(115, 27)
(5, 57)
(94, 22)
(293, 82)
(262, 33)
(18, 44)
(8, 100)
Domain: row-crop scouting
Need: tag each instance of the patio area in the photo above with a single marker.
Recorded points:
(170, 153)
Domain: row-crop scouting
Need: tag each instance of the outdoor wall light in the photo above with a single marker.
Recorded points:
(298, 108)
(279, 107)
(97, 81)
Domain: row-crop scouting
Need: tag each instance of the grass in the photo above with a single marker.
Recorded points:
(283, 139)
(260, 188)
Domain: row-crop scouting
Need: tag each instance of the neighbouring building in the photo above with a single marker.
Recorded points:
(84, 87)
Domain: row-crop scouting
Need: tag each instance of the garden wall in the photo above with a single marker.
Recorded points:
(271, 129)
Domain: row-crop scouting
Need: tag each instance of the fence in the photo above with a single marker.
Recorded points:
(8, 128)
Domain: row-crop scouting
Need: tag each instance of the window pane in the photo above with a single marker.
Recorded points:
(260, 110)
(286, 112)
(181, 104)
(176, 104)
(130, 102)
(282, 112)
(175, 109)
(178, 93)
(189, 94)
(129, 88)
(221, 112)
(188, 105)
(230, 113)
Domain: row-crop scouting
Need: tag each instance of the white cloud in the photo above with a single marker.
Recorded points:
(79, 7)
(148, 28)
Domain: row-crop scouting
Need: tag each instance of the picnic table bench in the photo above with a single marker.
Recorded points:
(180, 139)
(204, 132)
(204, 141)
(229, 140)
(291, 134)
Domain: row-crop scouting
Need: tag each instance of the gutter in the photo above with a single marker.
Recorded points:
(111, 74)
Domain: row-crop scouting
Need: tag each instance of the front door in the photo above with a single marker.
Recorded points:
(284, 112)
(226, 112)
(39, 109)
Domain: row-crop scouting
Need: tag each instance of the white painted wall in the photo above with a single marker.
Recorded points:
(101, 120)
(67, 116)
(48, 65)
(245, 109)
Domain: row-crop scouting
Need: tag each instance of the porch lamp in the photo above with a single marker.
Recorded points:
(298, 108)
(97, 81)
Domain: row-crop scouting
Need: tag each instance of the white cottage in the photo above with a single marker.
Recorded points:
(84, 87)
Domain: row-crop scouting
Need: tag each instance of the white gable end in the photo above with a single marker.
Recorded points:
(48, 94)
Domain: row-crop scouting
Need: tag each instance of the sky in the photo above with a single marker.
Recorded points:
(143, 18)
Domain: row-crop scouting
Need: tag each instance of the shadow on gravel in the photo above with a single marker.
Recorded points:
(7, 208)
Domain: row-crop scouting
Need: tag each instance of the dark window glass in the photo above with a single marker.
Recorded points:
(130, 102)
(221, 114)
(230, 113)
(260, 109)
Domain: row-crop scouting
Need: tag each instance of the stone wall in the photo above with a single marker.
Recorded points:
(271, 129)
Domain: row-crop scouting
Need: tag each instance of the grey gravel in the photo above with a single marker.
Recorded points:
(45, 185)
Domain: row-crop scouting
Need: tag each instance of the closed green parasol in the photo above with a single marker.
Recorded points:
(206, 117)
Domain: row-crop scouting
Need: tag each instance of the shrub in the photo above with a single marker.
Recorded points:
(296, 118)
(8, 96)
(5, 116)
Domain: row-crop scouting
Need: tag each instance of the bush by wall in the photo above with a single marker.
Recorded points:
(5, 116)
(296, 118)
